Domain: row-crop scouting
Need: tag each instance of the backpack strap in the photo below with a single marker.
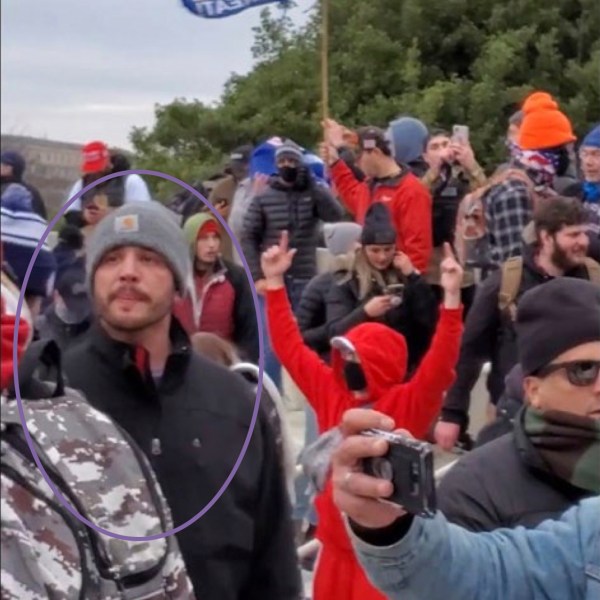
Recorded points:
(593, 270)
(510, 282)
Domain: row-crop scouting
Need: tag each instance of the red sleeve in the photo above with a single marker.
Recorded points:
(353, 193)
(308, 371)
(420, 400)
(414, 222)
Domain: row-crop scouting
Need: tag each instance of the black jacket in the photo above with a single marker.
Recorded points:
(50, 327)
(490, 336)
(282, 208)
(311, 313)
(504, 484)
(196, 420)
(415, 318)
(245, 332)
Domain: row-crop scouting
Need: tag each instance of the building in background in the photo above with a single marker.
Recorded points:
(51, 166)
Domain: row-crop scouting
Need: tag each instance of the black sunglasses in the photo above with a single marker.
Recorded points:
(580, 373)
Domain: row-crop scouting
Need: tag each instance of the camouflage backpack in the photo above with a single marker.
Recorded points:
(46, 551)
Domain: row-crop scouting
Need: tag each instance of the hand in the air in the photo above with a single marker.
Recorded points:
(277, 259)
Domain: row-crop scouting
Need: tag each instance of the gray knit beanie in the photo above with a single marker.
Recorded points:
(289, 149)
(145, 224)
(341, 237)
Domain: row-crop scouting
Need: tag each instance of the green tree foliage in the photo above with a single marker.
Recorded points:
(444, 61)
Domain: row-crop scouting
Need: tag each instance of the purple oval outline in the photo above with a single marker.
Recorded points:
(244, 449)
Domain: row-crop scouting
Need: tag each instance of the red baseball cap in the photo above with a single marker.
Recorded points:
(95, 158)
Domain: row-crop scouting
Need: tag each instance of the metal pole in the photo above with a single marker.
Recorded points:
(325, 58)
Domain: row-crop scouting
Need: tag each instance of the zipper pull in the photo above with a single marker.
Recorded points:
(156, 449)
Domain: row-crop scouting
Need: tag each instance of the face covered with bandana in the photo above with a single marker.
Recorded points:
(288, 168)
(370, 359)
(354, 375)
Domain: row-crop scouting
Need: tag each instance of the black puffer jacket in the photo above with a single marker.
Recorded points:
(415, 318)
(490, 336)
(298, 211)
(311, 313)
(504, 484)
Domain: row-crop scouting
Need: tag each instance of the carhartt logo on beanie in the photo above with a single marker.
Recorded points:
(147, 225)
(544, 125)
(555, 317)
(378, 228)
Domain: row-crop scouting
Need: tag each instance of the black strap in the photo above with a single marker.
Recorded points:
(43, 354)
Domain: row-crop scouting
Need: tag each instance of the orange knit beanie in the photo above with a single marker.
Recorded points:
(544, 125)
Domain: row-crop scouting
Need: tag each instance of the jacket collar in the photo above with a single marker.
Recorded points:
(126, 356)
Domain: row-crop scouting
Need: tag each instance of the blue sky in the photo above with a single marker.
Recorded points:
(76, 70)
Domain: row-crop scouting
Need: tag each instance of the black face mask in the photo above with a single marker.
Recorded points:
(288, 174)
(355, 377)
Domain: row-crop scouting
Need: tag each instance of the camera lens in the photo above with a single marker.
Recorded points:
(382, 468)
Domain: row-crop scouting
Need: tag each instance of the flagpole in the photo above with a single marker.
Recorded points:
(325, 58)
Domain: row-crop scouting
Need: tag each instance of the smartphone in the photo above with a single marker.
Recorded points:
(408, 464)
(460, 134)
(395, 289)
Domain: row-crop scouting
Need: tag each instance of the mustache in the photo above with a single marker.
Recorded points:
(129, 290)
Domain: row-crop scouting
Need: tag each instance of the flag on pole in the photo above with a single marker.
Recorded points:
(217, 9)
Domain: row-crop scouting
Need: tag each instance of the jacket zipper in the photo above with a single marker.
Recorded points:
(216, 278)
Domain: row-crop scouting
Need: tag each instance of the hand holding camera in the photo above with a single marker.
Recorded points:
(379, 476)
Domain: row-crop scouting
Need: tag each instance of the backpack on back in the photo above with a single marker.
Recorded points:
(510, 283)
(47, 551)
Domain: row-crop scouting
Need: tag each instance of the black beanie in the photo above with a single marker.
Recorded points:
(555, 317)
(378, 227)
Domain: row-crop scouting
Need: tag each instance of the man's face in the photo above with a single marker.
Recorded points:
(590, 163)
(568, 247)
(556, 391)
(438, 151)
(208, 247)
(133, 289)
(380, 256)
(239, 169)
(5, 170)
(512, 134)
(369, 161)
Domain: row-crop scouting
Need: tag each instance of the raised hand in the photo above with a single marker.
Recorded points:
(451, 273)
(333, 133)
(276, 260)
(403, 264)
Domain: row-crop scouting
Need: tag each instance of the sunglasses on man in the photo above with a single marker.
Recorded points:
(580, 373)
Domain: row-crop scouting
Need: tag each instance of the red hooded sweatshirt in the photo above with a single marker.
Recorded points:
(383, 355)
(408, 201)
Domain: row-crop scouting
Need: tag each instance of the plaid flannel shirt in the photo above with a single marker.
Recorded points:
(508, 209)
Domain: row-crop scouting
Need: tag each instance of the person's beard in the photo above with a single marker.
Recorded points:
(561, 259)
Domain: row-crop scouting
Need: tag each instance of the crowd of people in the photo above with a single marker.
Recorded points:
(138, 353)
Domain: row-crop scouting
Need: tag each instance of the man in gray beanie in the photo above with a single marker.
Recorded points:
(136, 365)
(149, 226)
(551, 459)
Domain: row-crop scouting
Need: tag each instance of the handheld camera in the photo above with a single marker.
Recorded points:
(408, 464)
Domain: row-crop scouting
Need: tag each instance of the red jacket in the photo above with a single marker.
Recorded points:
(383, 354)
(408, 200)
